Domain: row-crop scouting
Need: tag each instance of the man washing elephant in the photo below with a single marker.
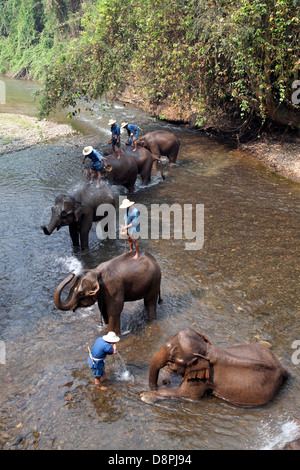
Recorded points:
(132, 225)
(115, 136)
(96, 359)
(133, 132)
(97, 165)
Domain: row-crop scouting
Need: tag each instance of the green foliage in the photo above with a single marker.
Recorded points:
(238, 56)
(32, 33)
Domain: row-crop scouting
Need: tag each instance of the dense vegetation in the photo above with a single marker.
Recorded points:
(237, 58)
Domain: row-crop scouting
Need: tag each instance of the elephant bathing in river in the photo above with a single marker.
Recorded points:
(122, 279)
(143, 158)
(246, 375)
(123, 171)
(161, 143)
(145, 161)
(78, 211)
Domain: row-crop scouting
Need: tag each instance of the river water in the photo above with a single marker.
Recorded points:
(242, 286)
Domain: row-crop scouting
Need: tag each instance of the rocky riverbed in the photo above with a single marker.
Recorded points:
(280, 155)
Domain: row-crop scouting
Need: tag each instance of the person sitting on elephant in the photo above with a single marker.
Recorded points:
(97, 162)
(115, 136)
(133, 132)
(96, 359)
(132, 225)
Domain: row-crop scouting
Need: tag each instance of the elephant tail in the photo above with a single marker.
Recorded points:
(101, 301)
(160, 300)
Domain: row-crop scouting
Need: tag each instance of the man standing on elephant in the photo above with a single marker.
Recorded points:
(97, 162)
(133, 132)
(96, 359)
(132, 225)
(115, 136)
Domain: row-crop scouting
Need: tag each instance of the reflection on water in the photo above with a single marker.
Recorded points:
(241, 287)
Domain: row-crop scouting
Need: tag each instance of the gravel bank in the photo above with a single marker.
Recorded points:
(19, 131)
(280, 156)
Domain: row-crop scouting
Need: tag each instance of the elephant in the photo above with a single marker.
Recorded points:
(122, 171)
(245, 375)
(293, 445)
(145, 160)
(78, 211)
(121, 279)
(161, 143)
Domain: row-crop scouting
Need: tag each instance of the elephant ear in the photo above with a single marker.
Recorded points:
(78, 211)
(198, 368)
(204, 338)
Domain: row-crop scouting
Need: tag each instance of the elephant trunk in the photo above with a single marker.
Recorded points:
(53, 224)
(70, 303)
(158, 361)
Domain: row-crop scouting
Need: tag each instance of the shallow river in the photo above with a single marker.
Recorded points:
(242, 286)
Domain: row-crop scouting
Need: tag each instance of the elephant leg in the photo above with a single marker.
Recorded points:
(146, 173)
(74, 234)
(85, 227)
(114, 309)
(173, 156)
(150, 302)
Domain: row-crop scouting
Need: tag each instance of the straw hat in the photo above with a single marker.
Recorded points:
(111, 337)
(124, 124)
(126, 203)
(87, 150)
(111, 122)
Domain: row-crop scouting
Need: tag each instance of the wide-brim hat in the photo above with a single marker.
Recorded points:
(111, 337)
(111, 122)
(87, 150)
(126, 203)
(124, 124)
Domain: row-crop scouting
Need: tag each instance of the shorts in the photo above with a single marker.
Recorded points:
(97, 166)
(133, 233)
(96, 367)
(114, 142)
(135, 135)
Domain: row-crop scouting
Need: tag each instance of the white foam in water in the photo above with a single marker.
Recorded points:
(124, 373)
(277, 438)
(125, 376)
(71, 263)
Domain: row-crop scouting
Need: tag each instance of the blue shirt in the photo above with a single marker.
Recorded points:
(95, 156)
(115, 130)
(132, 217)
(131, 128)
(101, 348)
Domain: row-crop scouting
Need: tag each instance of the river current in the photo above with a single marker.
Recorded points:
(241, 286)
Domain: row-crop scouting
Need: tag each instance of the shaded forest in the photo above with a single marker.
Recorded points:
(236, 60)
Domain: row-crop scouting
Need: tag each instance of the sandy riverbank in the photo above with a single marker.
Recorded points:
(19, 131)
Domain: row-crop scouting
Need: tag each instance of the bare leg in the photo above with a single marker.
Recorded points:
(92, 176)
(119, 156)
(99, 179)
(136, 244)
(98, 383)
(130, 244)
